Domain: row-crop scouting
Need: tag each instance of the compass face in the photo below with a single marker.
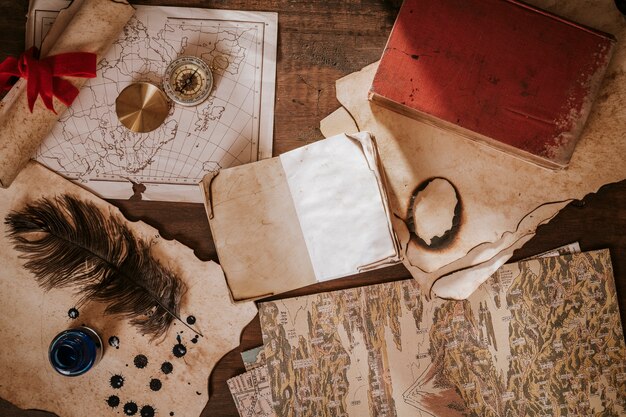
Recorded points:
(188, 81)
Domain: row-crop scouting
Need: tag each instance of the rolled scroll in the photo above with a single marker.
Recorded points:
(85, 26)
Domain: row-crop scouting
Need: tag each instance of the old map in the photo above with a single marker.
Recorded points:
(251, 390)
(540, 338)
(234, 126)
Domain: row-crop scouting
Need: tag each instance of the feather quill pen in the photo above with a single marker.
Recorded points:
(69, 242)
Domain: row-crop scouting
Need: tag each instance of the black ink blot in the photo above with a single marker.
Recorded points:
(195, 339)
(155, 384)
(73, 313)
(178, 338)
(198, 392)
(191, 320)
(113, 401)
(140, 361)
(114, 342)
(130, 408)
(171, 413)
(147, 411)
(117, 381)
(179, 350)
(167, 368)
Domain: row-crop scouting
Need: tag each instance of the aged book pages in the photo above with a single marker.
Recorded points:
(86, 26)
(160, 381)
(254, 224)
(500, 199)
(316, 213)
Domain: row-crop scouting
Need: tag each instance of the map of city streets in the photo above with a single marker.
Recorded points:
(540, 338)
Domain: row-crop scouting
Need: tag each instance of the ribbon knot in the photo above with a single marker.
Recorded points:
(44, 75)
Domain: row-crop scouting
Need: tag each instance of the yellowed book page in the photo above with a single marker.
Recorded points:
(256, 230)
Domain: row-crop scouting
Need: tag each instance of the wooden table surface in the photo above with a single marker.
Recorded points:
(319, 42)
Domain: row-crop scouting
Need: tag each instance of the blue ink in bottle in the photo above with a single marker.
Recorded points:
(73, 352)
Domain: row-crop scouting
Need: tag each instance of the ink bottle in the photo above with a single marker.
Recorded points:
(73, 352)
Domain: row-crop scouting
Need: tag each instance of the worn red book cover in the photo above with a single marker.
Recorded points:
(498, 71)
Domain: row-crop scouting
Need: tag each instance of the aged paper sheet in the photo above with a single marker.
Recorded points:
(86, 26)
(541, 336)
(233, 126)
(252, 394)
(315, 213)
(500, 199)
(135, 372)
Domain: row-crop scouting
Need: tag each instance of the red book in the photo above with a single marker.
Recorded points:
(497, 71)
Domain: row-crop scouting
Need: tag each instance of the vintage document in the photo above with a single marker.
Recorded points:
(494, 201)
(88, 27)
(541, 336)
(253, 358)
(316, 213)
(251, 390)
(233, 126)
(137, 375)
(252, 394)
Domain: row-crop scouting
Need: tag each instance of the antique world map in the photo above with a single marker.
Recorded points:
(540, 338)
(234, 126)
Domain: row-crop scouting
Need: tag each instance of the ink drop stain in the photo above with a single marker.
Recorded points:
(195, 339)
(147, 411)
(117, 381)
(114, 342)
(73, 313)
(140, 361)
(113, 401)
(179, 350)
(171, 413)
(167, 368)
(191, 320)
(155, 384)
(130, 408)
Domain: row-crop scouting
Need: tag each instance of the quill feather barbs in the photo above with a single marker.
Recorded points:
(69, 242)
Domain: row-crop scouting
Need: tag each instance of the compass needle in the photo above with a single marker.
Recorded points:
(188, 81)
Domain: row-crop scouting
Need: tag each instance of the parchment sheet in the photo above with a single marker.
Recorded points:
(233, 126)
(30, 318)
(89, 26)
(316, 213)
(503, 198)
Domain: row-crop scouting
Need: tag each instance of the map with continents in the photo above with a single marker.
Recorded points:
(233, 126)
(541, 337)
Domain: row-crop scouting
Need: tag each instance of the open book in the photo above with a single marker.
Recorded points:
(316, 213)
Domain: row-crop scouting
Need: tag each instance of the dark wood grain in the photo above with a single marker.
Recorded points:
(319, 42)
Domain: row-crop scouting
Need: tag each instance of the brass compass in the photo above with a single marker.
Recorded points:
(188, 81)
(141, 107)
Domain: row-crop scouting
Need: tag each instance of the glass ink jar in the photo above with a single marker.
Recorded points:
(73, 352)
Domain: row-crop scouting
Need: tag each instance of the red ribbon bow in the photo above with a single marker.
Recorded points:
(44, 76)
